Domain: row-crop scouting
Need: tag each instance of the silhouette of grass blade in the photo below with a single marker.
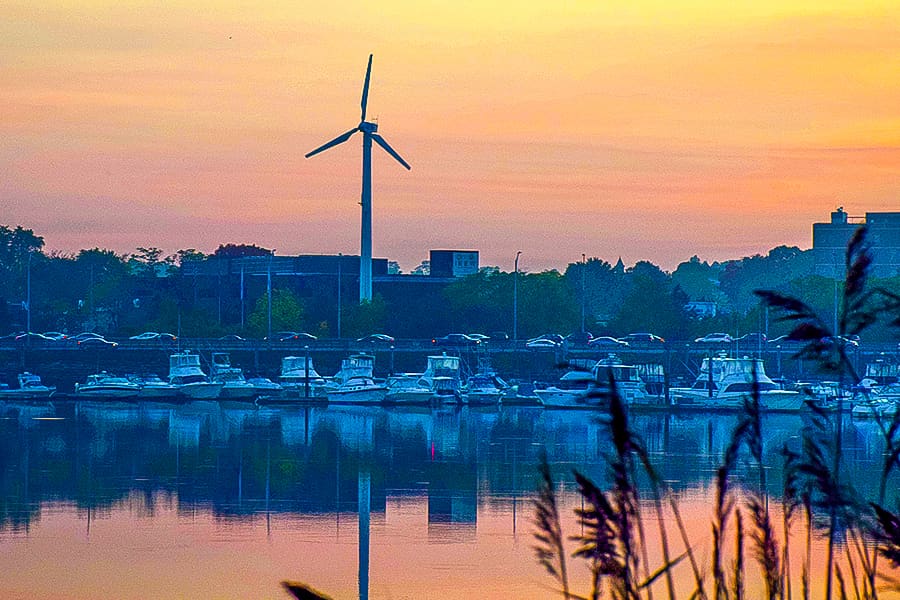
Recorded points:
(301, 591)
(549, 551)
(888, 534)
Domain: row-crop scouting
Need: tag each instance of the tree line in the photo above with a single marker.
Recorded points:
(123, 294)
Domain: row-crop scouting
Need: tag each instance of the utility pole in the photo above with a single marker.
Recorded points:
(583, 270)
(516, 299)
(28, 298)
(269, 296)
(340, 260)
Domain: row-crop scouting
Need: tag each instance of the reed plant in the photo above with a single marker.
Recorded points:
(815, 494)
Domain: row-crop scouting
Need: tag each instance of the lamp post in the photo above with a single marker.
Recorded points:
(516, 299)
(340, 260)
(28, 298)
(583, 269)
(269, 296)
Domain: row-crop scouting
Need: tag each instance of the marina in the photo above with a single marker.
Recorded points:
(721, 383)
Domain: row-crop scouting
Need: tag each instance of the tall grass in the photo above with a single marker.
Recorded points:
(813, 487)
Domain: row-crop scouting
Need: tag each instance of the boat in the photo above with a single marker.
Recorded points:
(355, 365)
(724, 383)
(442, 377)
(190, 380)
(107, 386)
(485, 388)
(299, 378)
(264, 385)
(590, 385)
(404, 388)
(153, 386)
(30, 388)
(571, 391)
(875, 407)
(358, 389)
(234, 385)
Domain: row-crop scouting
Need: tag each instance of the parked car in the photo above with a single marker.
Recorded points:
(785, 342)
(539, 343)
(33, 337)
(147, 335)
(752, 340)
(553, 337)
(499, 335)
(840, 340)
(607, 342)
(714, 338)
(96, 342)
(642, 338)
(579, 338)
(83, 336)
(56, 336)
(292, 336)
(455, 339)
(479, 336)
(232, 337)
(375, 338)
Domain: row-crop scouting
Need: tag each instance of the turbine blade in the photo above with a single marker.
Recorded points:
(338, 140)
(381, 142)
(365, 94)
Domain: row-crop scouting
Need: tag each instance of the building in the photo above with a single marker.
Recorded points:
(830, 243)
(453, 263)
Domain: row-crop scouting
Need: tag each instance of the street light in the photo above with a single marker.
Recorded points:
(516, 299)
(269, 295)
(28, 298)
(583, 269)
(340, 259)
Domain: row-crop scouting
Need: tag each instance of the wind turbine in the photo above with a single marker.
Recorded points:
(369, 131)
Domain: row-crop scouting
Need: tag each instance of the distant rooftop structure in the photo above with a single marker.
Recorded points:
(830, 243)
(453, 263)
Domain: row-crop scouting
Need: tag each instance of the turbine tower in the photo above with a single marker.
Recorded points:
(369, 131)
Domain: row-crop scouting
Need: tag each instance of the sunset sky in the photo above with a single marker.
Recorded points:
(646, 130)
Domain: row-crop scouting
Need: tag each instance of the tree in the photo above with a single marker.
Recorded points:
(365, 318)
(287, 313)
(653, 306)
(239, 250)
(15, 247)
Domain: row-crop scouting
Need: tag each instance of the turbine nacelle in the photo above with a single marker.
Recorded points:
(367, 127)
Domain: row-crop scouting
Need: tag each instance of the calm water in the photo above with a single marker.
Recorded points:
(203, 500)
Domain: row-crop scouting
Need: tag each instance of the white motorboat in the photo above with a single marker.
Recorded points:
(234, 385)
(590, 386)
(485, 388)
(442, 377)
(264, 385)
(875, 408)
(30, 388)
(724, 383)
(405, 389)
(571, 391)
(355, 365)
(190, 380)
(107, 386)
(300, 379)
(152, 386)
(358, 389)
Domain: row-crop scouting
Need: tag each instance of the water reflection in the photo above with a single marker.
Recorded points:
(315, 469)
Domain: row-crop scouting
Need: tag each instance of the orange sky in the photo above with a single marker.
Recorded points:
(648, 130)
